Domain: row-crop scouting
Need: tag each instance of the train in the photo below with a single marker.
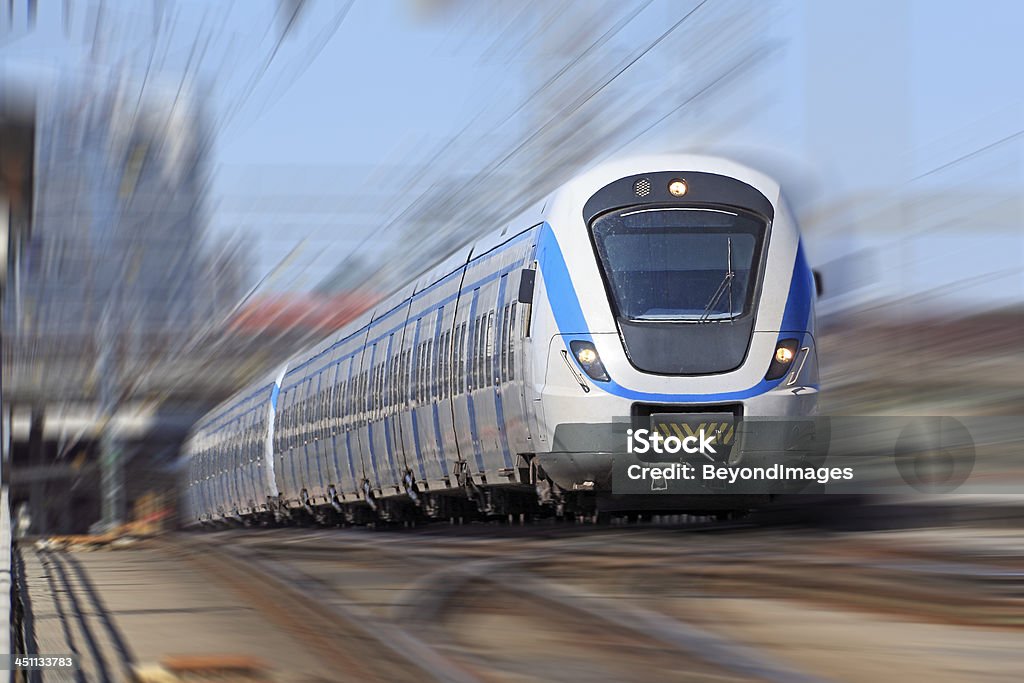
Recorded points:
(500, 381)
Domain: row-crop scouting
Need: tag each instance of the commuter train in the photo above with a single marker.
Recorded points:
(499, 381)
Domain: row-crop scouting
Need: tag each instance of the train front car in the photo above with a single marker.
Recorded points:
(673, 294)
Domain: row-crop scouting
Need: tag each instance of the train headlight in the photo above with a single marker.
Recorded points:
(589, 360)
(785, 352)
(677, 188)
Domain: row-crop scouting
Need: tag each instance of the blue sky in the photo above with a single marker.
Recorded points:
(864, 97)
(869, 95)
(386, 82)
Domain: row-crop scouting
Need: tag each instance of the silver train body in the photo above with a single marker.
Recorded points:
(662, 283)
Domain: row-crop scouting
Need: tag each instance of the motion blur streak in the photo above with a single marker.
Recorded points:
(193, 193)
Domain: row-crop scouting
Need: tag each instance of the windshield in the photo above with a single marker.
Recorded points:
(679, 263)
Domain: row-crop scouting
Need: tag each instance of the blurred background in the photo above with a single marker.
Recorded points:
(192, 191)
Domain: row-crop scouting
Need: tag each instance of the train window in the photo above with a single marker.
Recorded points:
(463, 367)
(693, 264)
(385, 384)
(300, 414)
(490, 347)
(442, 363)
(414, 377)
(421, 370)
(481, 347)
(471, 355)
(293, 418)
(435, 369)
(446, 377)
(400, 382)
(367, 391)
(481, 340)
(392, 372)
(485, 334)
(309, 420)
(501, 341)
(392, 379)
(477, 340)
(428, 372)
(380, 389)
(454, 370)
(321, 406)
(374, 381)
(289, 420)
(283, 428)
(375, 392)
(342, 398)
(403, 372)
(312, 426)
(339, 403)
(421, 379)
(421, 383)
(414, 369)
(406, 375)
(359, 399)
(456, 374)
(512, 312)
(325, 403)
(457, 360)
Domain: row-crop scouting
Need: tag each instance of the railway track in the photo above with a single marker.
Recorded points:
(441, 613)
(347, 639)
(854, 571)
(672, 603)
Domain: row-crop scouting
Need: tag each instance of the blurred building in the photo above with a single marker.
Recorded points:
(117, 278)
(17, 158)
(119, 205)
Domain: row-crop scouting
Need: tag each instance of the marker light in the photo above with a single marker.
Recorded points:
(785, 351)
(677, 188)
(589, 360)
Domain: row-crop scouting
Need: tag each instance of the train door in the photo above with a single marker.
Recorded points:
(289, 478)
(321, 444)
(329, 425)
(466, 326)
(430, 438)
(512, 357)
(348, 444)
(393, 464)
(412, 416)
(369, 399)
(484, 402)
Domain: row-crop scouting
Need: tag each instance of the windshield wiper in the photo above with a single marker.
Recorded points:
(725, 284)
